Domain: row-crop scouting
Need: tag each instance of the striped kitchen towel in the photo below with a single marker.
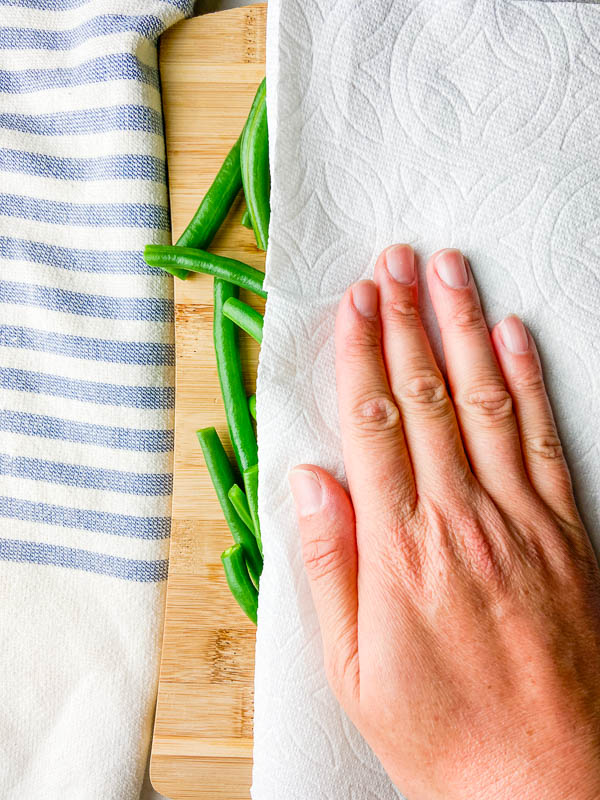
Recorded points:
(86, 394)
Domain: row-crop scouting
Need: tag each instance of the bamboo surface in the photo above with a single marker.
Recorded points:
(210, 68)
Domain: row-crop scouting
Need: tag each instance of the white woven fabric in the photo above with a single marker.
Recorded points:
(472, 124)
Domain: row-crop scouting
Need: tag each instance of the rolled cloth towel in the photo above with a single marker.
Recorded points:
(86, 394)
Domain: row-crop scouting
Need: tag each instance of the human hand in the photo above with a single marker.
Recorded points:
(456, 589)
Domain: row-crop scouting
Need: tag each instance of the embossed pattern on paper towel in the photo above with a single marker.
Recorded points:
(472, 123)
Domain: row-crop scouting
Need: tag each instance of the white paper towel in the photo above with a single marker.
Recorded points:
(473, 124)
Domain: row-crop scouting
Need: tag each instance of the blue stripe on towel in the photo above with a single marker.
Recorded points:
(55, 212)
(132, 166)
(71, 558)
(47, 427)
(113, 67)
(63, 5)
(43, 39)
(108, 394)
(77, 259)
(86, 121)
(86, 519)
(108, 480)
(65, 344)
(150, 309)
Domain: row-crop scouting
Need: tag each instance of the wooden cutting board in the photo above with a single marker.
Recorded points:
(210, 68)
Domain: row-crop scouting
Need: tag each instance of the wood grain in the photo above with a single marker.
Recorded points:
(210, 68)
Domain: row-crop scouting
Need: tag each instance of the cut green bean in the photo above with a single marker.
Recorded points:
(190, 258)
(245, 317)
(251, 485)
(240, 503)
(254, 161)
(246, 221)
(223, 479)
(238, 580)
(172, 269)
(229, 367)
(252, 405)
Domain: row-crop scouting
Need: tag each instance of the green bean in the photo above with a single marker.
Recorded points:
(252, 405)
(172, 269)
(215, 204)
(245, 317)
(238, 580)
(212, 210)
(240, 503)
(246, 221)
(229, 367)
(223, 479)
(251, 484)
(190, 258)
(254, 161)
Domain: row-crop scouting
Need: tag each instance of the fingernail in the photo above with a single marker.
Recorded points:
(514, 336)
(307, 491)
(451, 268)
(365, 298)
(400, 263)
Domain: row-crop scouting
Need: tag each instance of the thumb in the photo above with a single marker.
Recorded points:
(327, 530)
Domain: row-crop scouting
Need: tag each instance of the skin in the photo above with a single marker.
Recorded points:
(455, 585)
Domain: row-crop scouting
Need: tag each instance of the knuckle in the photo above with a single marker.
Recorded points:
(492, 404)
(377, 414)
(530, 382)
(360, 345)
(322, 556)
(427, 392)
(545, 447)
(404, 313)
(468, 318)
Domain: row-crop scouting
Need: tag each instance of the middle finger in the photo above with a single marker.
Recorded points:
(483, 404)
(418, 387)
